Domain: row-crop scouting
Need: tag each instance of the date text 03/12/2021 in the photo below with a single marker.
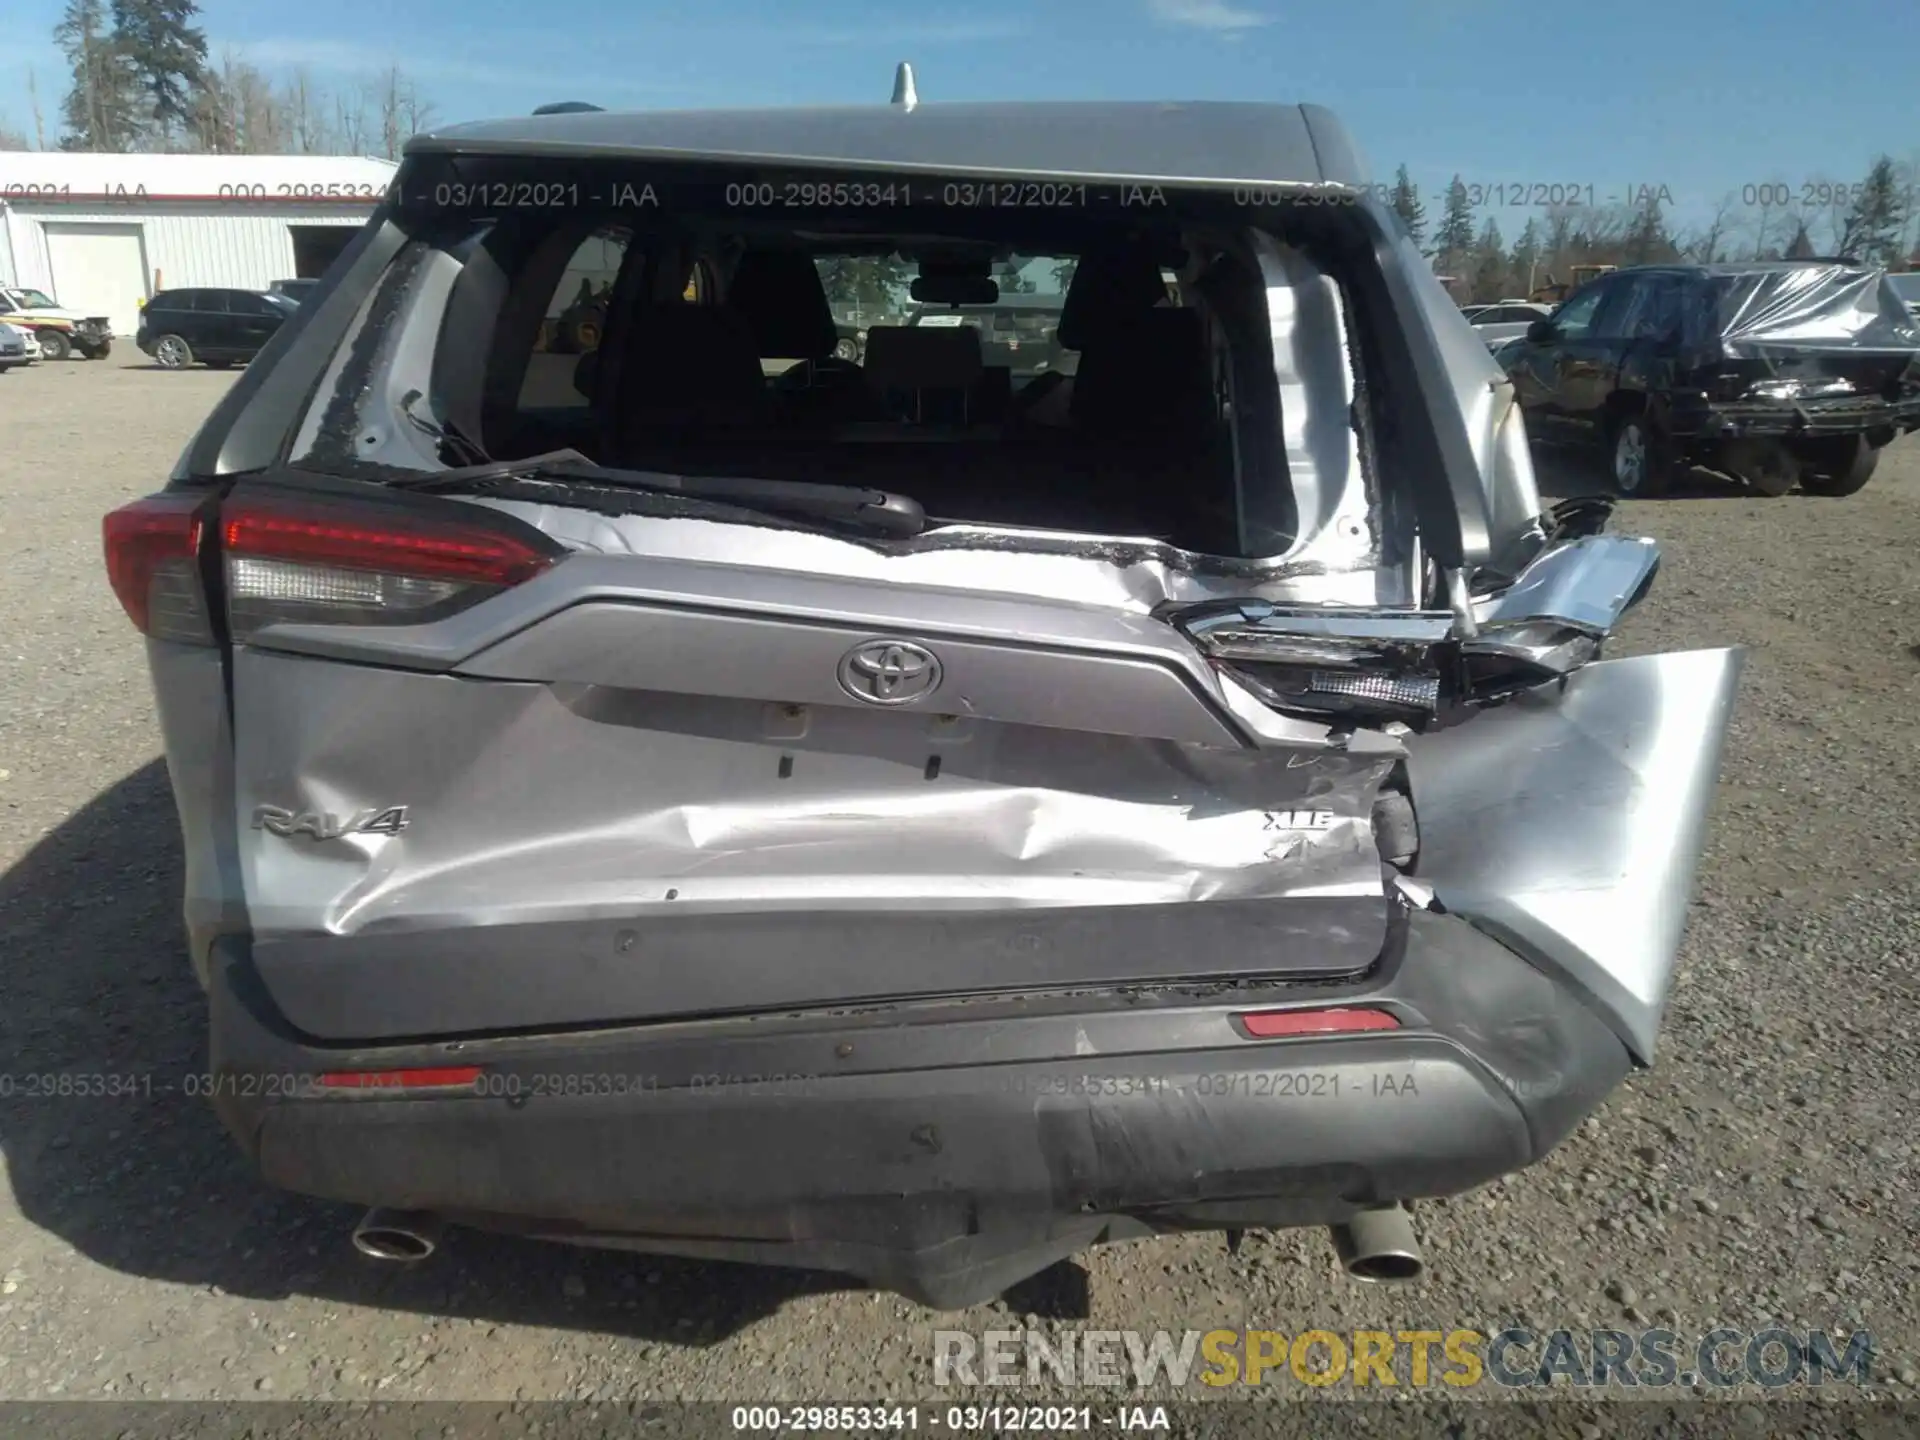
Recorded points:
(958, 1419)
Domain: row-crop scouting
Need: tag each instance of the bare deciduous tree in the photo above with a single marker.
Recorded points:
(1703, 246)
(305, 116)
(350, 115)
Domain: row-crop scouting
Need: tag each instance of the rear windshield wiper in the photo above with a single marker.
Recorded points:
(874, 510)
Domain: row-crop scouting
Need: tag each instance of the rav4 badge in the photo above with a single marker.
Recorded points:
(320, 825)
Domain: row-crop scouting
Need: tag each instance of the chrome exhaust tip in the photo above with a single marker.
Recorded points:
(403, 1237)
(1378, 1246)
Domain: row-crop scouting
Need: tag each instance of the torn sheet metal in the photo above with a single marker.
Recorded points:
(1568, 822)
(1810, 307)
(634, 802)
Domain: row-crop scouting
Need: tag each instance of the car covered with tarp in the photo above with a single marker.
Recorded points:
(1776, 372)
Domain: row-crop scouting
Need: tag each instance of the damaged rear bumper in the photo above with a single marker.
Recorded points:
(1847, 415)
(945, 1150)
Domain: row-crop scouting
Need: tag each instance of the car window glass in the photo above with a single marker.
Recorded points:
(1660, 319)
(242, 303)
(1619, 317)
(6, 306)
(575, 320)
(1623, 310)
(1575, 318)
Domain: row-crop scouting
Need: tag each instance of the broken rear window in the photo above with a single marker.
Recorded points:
(1050, 356)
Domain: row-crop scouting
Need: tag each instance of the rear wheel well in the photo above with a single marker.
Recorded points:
(1622, 403)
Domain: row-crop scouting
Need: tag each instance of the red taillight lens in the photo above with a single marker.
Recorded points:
(441, 1077)
(152, 549)
(290, 562)
(1276, 1024)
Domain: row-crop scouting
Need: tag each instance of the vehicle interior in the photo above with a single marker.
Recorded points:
(717, 358)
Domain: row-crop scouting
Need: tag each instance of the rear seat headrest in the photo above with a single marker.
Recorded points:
(1148, 374)
(1106, 285)
(689, 365)
(923, 357)
(779, 294)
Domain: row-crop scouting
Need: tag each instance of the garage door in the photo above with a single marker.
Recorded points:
(99, 270)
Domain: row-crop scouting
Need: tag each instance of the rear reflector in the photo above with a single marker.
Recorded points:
(1274, 1024)
(152, 548)
(431, 1078)
(289, 562)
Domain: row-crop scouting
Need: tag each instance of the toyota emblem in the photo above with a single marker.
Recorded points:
(889, 672)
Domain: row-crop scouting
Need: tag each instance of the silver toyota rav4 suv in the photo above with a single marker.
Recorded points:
(707, 796)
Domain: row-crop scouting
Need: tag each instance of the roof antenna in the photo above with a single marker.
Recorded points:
(903, 92)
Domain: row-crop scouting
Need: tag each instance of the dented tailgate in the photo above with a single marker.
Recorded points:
(662, 789)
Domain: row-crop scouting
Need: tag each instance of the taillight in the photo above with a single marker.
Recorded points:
(295, 562)
(432, 1077)
(153, 548)
(1339, 1020)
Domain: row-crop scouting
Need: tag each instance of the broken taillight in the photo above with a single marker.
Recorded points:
(1338, 1020)
(289, 561)
(153, 549)
(292, 561)
(431, 1077)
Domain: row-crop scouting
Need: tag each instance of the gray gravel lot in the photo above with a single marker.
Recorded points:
(1764, 1171)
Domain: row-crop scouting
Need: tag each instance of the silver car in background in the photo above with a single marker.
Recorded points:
(1507, 320)
(18, 347)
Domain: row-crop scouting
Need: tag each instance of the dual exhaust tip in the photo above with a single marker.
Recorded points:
(403, 1237)
(1376, 1245)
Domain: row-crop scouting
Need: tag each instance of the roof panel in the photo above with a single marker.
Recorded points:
(1210, 142)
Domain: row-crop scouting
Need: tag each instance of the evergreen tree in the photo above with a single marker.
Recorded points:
(1014, 280)
(1454, 239)
(1878, 217)
(167, 53)
(101, 109)
(1489, 273)
(1800, 247)
(1405, 200)
(868, 282)
(1526, 256)
(1647, 239)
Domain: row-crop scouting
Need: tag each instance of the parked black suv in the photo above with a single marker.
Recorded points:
(216, 327)
(1777, 372)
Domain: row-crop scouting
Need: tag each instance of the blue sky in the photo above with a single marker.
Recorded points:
(1701, 96)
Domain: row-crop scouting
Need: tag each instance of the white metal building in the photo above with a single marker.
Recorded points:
(102, 233)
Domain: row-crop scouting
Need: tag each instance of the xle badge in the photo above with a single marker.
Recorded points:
(321, 825)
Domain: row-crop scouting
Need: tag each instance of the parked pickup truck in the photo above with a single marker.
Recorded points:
(61, 333)
(1780, 373)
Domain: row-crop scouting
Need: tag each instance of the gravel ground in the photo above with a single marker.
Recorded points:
(1763, 1172)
